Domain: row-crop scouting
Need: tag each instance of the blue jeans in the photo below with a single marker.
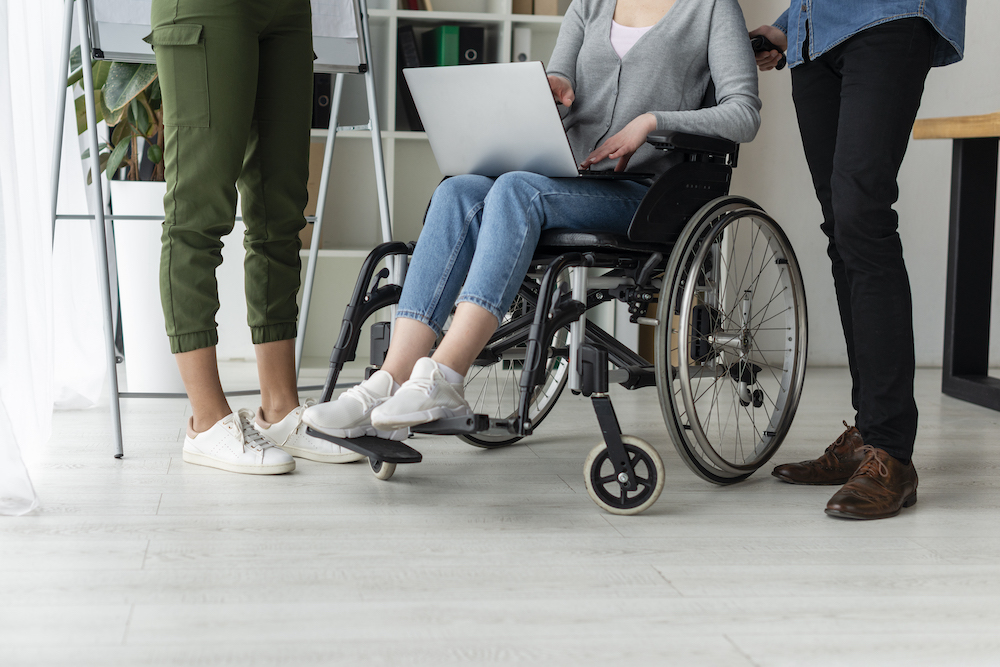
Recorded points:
(480, 234)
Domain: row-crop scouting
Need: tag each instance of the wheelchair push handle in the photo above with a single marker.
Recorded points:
(761, 43)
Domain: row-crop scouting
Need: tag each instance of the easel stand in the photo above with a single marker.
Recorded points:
(383, 193)
(100, 221)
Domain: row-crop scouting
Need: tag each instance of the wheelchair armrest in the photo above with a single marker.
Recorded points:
(690, 143)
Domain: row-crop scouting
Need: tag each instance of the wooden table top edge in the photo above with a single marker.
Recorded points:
(958, 127)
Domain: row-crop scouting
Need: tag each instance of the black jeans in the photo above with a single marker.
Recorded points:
(856, 105)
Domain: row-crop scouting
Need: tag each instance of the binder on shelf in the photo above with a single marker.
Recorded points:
(441, 45)
(412, 4)
(408, 56)
(547, 7)
(471, 41)
(523, 7)
(521, 46)
(427, 5)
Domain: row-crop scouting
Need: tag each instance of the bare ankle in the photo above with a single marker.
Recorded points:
(203, 421)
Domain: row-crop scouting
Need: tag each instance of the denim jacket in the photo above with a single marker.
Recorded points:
(831, 22)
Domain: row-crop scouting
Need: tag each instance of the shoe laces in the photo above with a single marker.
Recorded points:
(300, 426)
(424, 385)
(252, 438)
(840, 439)
(363, 395)
(872, 464)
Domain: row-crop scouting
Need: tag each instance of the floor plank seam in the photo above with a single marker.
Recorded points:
(741, 651)
(667, 581)
(128, 621)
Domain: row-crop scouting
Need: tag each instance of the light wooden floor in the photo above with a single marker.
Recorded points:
(499, 557)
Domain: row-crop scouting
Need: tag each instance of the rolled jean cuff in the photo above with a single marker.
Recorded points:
(438, 329)
(190, 342)
(484, 304)
(272, 333)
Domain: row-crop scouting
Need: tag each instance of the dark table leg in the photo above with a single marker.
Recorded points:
(970, 273)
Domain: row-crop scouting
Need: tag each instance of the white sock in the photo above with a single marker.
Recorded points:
(451, 375)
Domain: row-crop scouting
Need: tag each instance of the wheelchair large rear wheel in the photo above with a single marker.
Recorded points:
(731, 340)
(494, 388)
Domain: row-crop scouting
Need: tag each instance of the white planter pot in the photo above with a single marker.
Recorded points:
(149, 365)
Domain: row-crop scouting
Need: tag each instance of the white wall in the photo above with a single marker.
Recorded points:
(773, 172)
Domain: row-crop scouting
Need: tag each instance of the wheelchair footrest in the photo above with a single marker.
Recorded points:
(378, 449)
(465, 424)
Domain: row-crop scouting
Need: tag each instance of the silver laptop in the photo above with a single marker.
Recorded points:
(491, 119)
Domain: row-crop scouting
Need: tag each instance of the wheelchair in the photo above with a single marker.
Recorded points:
(712, 273)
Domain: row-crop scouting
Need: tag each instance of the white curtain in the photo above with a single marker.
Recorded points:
(29, 47)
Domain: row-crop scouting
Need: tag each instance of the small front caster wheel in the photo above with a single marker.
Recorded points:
(382, 469)
(758, 398)
(602, 480)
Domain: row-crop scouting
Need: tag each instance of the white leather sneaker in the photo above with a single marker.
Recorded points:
(349, 416)
(425, 397)
(290, 435)
(234, 444)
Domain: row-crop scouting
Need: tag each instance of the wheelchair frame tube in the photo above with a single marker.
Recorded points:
(578, 281)
(362, 305)
(550, 316)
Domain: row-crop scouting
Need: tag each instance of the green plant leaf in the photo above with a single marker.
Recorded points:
(104, 161)
(101, 70)
(125, 81)
(86, 154)
(113, 118)
(140, 116)
(80, 104)
(81, 114)
(154, 94)
(121, 133)
(155, 154)
(75, 59)
(74, 77)
(115, 161)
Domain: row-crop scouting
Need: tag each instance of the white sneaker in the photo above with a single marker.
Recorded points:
(349, 416)
(425, 397)
(234, 444)
(290, 435)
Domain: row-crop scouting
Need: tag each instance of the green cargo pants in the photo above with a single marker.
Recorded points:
(236, 79)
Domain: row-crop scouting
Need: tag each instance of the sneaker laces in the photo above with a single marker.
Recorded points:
(253, 438)
(300, 426)
(363, 395)
(425, 385)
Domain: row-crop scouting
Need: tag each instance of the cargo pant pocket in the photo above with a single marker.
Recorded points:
(183, 73)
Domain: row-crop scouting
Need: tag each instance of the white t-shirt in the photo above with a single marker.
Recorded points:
(623, 37)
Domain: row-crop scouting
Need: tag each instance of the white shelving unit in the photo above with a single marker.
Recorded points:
(351, 223)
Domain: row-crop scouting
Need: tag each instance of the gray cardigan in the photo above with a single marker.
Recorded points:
(666, 72)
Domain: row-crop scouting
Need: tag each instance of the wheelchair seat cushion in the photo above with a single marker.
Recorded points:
(559, 240)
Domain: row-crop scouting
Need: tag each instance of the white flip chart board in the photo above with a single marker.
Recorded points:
(118, 26)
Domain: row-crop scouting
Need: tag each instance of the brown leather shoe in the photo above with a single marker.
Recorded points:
(835, 466)
(880, 488)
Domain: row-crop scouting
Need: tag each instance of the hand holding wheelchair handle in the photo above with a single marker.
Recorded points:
(769, 45)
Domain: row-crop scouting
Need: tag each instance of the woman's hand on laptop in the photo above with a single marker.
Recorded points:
(562, 90)
(623, 145)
